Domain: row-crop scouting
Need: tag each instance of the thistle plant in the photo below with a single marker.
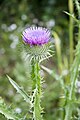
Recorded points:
(36, 46)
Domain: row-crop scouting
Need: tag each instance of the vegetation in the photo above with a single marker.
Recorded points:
(61, 88)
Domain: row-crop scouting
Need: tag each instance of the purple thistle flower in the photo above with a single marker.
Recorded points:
(36, 36)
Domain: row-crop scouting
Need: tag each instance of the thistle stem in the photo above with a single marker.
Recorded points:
(73, 77)
(36, 90)
(71, 31)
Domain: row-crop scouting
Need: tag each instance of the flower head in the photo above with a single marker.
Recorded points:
(39, 39)
(36, 36)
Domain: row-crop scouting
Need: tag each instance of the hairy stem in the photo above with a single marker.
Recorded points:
(71, 31)
(36, 90)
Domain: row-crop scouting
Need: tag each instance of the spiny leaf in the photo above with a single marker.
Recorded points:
(19, 90)
(71, 15)
(8, 112)
(51, 72)
(78, 7)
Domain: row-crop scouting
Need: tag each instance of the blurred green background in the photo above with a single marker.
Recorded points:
(15, 16)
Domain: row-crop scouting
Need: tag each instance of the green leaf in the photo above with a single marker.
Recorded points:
(8, 112)
(72, 15)
(19, 90)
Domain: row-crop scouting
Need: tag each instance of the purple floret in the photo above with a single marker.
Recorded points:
(36, 35)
